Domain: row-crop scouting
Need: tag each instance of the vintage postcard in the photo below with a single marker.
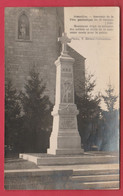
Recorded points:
(62, 73)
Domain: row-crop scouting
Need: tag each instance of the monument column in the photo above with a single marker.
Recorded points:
(65, 138)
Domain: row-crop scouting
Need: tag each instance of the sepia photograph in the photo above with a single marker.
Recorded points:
(62, 95)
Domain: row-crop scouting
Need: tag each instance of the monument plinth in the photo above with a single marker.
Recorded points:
(65, 138)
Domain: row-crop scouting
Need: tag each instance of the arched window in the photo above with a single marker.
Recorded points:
(23, 27)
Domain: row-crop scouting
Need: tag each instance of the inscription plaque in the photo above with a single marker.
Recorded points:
(68, 123)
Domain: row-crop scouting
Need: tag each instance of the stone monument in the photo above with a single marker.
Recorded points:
(65, 138)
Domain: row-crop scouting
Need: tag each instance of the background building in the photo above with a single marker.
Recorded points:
(31, 36)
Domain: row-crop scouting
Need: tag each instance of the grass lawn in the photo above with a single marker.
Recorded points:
(14, 162)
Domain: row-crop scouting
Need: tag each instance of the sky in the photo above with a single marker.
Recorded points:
(100, 50)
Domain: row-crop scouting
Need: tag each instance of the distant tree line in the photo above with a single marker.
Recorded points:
(98, 128)
(28, 120)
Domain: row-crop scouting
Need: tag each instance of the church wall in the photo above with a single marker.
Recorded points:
(41, 49)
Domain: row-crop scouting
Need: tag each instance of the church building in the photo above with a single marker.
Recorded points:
(31, 39)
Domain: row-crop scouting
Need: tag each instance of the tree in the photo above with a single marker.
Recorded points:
(110, 99)
(110, 121)
(89, 112)
(37, 114)
(12, 116)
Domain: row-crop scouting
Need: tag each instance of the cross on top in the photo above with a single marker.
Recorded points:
(64, 40)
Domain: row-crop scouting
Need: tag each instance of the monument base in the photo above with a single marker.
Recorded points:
(65, 138)
(65, 151)
(86, 158)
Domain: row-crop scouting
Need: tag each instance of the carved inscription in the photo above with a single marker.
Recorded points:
(66, 69)
(68, 123)
(68, 75)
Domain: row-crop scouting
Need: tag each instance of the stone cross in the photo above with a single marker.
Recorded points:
(64, 40)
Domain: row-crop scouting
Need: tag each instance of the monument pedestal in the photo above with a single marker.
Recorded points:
(65, 138)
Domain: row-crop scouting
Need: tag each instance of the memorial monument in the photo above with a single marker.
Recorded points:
(65, 138)
(65, 141)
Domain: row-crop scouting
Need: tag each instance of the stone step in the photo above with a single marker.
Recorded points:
(93, 185)
(86, 172)
(113, 188)
(100, 176)
(40, 159)
(102, 185)
(95, 178)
